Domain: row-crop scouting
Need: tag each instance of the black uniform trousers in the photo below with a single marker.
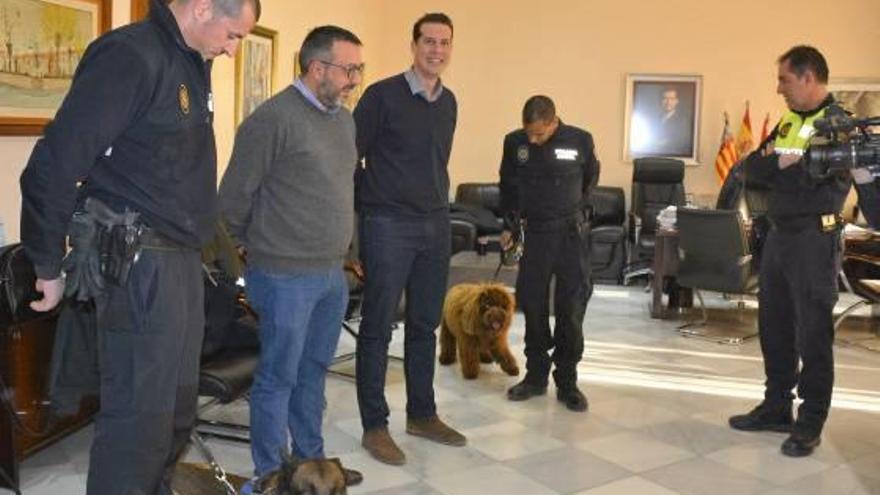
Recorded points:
(150, 336)
(559, 249)
(798, 282)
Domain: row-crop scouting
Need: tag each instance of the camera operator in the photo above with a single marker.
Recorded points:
(799, 262)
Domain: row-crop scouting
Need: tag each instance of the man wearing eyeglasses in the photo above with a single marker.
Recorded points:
(287, 198)
(405, 126)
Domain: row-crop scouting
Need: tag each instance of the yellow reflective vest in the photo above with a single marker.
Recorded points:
(793, 132)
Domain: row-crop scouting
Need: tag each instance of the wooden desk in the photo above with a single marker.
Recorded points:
(665, 268)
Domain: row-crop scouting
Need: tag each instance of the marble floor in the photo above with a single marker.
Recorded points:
(657, 422)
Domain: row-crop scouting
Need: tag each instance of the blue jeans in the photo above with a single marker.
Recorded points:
(401, 254)
(300, 320)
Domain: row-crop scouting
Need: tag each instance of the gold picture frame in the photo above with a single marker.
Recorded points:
(43, 42)
(859, 96)
(255, 65)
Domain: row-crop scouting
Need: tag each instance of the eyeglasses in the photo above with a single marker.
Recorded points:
(350, 70)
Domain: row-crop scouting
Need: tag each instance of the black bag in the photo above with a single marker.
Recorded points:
(17, 284)
(227, 322)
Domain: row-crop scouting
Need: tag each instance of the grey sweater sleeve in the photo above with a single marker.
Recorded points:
(256, 146)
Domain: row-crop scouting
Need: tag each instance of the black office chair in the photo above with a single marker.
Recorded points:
(656, 184)
(608, 234)
(714, 255)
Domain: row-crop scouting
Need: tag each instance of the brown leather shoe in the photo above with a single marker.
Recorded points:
(381, 446)
(434, 429)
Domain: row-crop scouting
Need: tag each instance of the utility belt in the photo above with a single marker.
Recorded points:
(104, 246)
(799, 223)
(577, 220)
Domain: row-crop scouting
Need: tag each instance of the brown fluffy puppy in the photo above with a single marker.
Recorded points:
(307, 476)
(476, 319)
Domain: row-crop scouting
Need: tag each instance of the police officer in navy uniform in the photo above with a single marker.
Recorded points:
(136, 130)
(799, 264)
(547, 172)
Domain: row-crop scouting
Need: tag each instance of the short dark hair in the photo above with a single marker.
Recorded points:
(318, 44)
(232, 8)
(803, 58)
(431, 18)
(538, 107)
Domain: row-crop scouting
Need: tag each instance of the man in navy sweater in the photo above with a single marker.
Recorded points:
(405, 126)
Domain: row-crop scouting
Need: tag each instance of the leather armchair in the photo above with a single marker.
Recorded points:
(608, 234)
(480, 204)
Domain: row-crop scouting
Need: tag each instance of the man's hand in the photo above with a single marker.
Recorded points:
(862, 176)
(52, 290)
(355, 267)
(769, 149)
(786, 161)
(506, 239)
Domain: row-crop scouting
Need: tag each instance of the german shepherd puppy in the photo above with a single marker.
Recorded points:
(305, 477)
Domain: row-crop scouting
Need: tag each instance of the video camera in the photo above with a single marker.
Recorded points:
(841, 143)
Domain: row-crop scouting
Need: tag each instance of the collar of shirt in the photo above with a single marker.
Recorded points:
(161, 15)
(415, 85)
(302, 88)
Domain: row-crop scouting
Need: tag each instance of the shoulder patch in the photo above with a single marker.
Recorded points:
(784, 130)
(522, 153)
(183, 99)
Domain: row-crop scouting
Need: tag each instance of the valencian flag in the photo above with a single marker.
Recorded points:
(727, 155)
(744, 139)
(765, 132)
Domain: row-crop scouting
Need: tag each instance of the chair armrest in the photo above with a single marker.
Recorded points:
(744, 260)
(635, 228)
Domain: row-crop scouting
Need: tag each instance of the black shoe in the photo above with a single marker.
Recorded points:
(524, 391)
(573, 398)
(765, 417)
(800, 444)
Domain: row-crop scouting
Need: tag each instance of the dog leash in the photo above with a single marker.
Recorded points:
(216, 469)
(497, 270)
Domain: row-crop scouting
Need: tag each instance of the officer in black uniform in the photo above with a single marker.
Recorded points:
(136, 131)
(799, 263)
(547, 172)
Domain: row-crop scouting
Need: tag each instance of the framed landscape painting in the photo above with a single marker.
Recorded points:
(255, 65)
(41, 44)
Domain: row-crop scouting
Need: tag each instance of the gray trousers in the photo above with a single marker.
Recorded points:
(150, 337)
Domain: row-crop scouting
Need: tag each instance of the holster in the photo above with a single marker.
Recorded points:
(104, 247)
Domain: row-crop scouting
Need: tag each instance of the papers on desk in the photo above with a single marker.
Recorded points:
(666, 218)
(853, 231)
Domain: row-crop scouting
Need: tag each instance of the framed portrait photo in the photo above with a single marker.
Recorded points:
(43, 42)
(255, 65)
(662, 116)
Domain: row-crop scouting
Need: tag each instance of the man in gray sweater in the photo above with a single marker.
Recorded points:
(287, 198)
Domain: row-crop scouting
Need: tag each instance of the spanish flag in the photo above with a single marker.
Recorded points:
(765, 132)
(727, 155)
(744, 140)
